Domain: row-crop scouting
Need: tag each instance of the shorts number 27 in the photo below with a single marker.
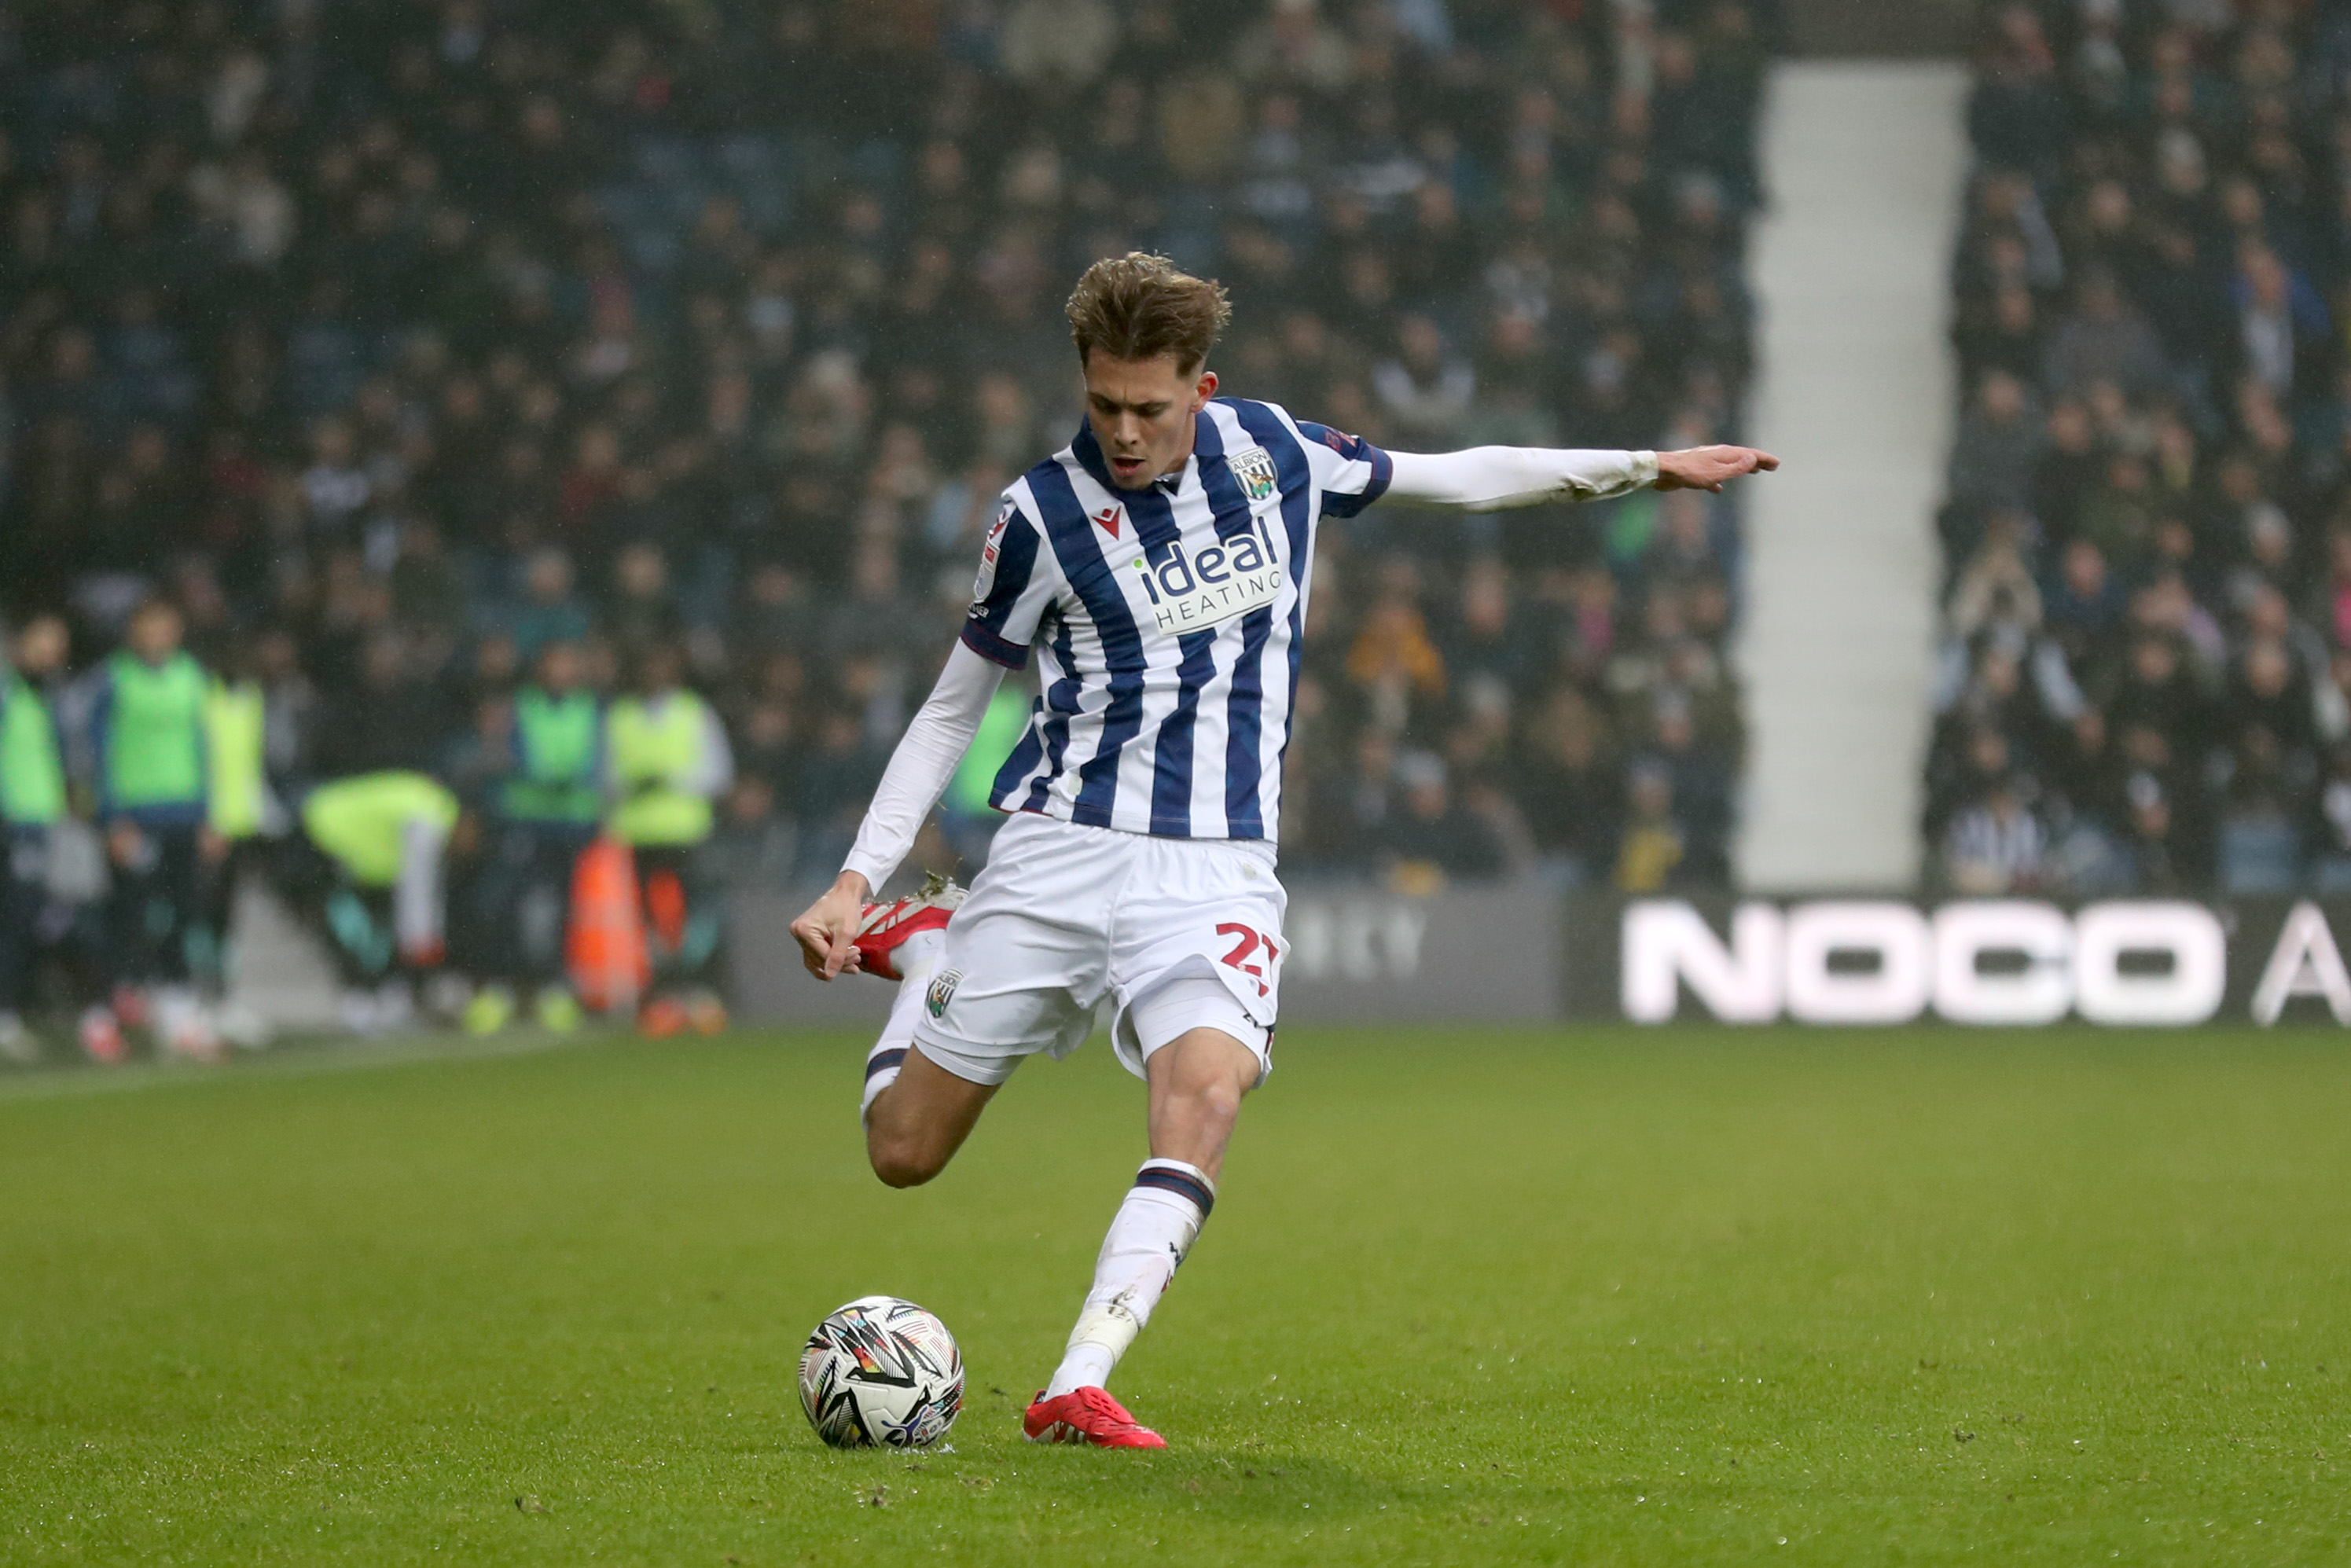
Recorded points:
(1246, 942)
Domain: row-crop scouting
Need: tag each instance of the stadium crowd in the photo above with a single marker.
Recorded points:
(423, 364)
(2148, 529)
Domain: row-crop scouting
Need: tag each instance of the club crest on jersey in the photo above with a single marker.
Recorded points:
(1191, 590)
(942, 991)
(1253, 466)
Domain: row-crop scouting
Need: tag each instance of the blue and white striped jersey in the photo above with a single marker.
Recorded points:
(1168, 620)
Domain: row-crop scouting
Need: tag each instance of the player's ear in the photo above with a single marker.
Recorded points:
(1204, 390)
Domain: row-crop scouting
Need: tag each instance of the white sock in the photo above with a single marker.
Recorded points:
(917, 956)
(1154, 1229)
(417, 909)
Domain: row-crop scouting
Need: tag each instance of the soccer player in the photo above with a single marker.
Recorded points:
(1159, 567)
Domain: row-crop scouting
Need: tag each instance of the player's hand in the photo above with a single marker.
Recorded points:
(1707, 467)
(827, 932)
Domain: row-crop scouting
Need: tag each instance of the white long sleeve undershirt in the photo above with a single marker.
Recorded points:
(1498, 479)
(927, 758)
(1481, 479)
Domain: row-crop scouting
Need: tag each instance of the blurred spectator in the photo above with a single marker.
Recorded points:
(2000, 435)
(1997, 845)
(1654, 843)
(2144, 664)
(1431, 837)
(1568, 784)
(549, 613)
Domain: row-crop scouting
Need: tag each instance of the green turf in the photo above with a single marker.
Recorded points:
(1469, 1297)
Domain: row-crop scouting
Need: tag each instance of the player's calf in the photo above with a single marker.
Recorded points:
(1196, 1081)
(902, 942)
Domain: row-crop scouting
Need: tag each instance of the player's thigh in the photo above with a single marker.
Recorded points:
(1216, 900)
(1201, 947)
(1026, 959)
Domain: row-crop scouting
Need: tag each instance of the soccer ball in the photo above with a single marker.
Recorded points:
(880, 1373)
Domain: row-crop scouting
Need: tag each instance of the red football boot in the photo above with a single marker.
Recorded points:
(1086, 1414)
(883, 929)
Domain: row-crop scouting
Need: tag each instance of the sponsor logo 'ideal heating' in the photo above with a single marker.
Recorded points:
(1192, 590)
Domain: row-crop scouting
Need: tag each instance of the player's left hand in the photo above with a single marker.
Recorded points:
(827, 931)
(1707, 467)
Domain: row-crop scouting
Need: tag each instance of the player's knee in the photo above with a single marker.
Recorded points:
(1216, 1102)
(901, 1161)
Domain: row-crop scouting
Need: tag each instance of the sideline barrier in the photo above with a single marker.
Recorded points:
(1496, 955)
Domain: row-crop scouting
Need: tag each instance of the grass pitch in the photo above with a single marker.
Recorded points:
(1471, 1297)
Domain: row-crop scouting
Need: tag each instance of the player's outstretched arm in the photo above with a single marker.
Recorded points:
(925, 759)
(1498, 478)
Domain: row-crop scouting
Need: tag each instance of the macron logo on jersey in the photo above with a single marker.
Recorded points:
(1108, 519)
(1194, 591)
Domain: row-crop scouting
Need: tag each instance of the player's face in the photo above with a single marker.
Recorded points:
(1141, 410)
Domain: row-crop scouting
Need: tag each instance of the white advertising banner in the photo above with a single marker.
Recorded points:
(1501, 953)
(1969, 961)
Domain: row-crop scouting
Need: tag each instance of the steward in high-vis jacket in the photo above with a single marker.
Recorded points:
(666, 760)
(548, 802)
(31, 801)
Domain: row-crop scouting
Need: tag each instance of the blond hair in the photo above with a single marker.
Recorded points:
(1139, 307)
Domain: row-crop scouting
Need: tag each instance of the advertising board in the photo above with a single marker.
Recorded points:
(2012, 961)
(1505, 953)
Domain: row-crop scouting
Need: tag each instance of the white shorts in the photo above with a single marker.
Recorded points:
(1179, 933)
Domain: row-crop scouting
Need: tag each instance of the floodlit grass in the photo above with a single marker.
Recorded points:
(1470, 1296)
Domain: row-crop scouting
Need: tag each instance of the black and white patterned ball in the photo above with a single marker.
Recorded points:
(880, 1373)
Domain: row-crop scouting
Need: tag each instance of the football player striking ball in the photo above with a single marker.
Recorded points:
(1158, 566)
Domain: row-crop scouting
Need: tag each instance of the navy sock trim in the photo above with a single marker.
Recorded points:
(1191, 1186)
(883, 1060)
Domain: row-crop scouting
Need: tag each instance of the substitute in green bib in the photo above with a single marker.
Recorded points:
(385, 835)
(154, 793)
(547, 803)
(239, 807)
(31, 801)
(667, 759)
